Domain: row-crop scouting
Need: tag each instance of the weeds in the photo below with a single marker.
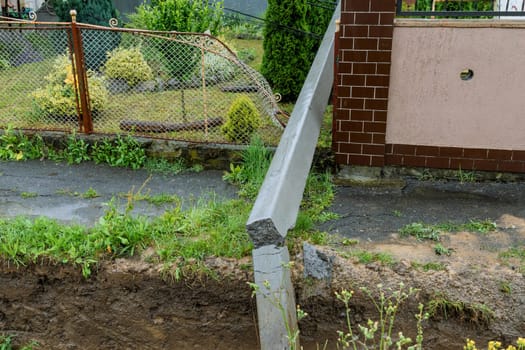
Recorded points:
(430, 266)
(505, 287)
(249, 176)
(16, 146)
(378, 334)
(421, 231)
(90, 194)
(6, 343)
(466, 176)
(76, 151)
(274, 298)
(442, 306)
(28, 195)
(515, 256)
(495, 345)
(121, 152)
(164, 166)
(206, 229)
(366, 257)
(318, 195)
(431, 232)
(439, 249)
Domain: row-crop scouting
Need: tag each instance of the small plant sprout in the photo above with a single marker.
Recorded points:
(439, 249)
(90, 194)
(349, 241)
(466, 176)
(397, 213)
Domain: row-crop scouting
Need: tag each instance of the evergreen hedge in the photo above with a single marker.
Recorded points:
(98, 12)
(288, 48)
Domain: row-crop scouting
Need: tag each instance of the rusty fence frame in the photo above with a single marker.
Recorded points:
(205, 42)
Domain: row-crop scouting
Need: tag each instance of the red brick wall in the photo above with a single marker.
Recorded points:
(512, 161)
(362, 80)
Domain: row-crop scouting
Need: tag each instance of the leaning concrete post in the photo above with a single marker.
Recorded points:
(277, 204)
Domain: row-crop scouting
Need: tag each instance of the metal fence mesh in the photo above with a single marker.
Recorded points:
(27, 57)
(179, 86)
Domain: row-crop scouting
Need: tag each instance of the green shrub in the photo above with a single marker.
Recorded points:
(242, 120)
(4, 64)
(181, 16)
(128, 64)
(98, 12)
(288, 54)
(122, 152)
(216, 68)
(58, 97)
(286, 57)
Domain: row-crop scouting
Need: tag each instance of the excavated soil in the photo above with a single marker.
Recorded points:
(133, 304)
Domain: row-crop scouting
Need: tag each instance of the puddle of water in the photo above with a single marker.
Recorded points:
(63, 212)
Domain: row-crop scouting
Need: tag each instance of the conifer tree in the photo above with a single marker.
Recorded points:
(318, 17)
(285, 58)
(98, 12)
(289, 46)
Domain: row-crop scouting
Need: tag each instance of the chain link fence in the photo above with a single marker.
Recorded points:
(178, 86)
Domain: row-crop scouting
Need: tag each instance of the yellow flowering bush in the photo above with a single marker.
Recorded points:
(58, 97)
(496, 345)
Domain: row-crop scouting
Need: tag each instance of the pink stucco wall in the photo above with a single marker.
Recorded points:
(428, 102)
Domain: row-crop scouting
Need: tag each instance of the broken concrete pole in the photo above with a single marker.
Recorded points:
(276, 310)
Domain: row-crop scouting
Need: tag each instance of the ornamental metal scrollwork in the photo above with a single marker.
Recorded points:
(32, 16)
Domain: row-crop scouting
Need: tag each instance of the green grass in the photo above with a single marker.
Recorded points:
(325, 136)
(6, 343)
(441, 306)
(90, 194)
(16, 85)
(439, 249)
(17, 108)
(253, 45)
(206, 227)
(515, 256)
(423, 231)
(367, 257)
(430, 266)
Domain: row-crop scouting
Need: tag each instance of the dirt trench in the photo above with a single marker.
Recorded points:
(133, 304)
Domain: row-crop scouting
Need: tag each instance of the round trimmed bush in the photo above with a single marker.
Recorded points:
(129, 65)
(242, 120)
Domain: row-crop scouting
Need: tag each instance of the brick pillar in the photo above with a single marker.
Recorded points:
(362, 80)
